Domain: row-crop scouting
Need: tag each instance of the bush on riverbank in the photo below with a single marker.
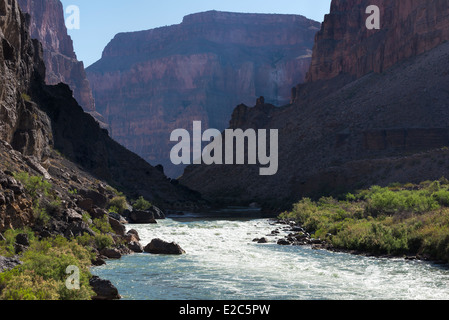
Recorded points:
(396, 220)
(42, 275)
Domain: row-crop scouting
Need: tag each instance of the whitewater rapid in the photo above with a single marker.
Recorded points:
(223, 263)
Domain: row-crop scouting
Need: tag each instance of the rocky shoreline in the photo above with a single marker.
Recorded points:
(296, 235)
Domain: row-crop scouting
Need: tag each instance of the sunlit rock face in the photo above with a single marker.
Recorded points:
(407, 28)
(48, 26)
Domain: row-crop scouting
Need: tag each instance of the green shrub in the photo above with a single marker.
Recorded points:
(41, 214)
(142, 204)
(385, 201)
(102, 225)
(43, 272)
(15, 285)
(118, 203)
(103, 241)
(34, 185)
(398, 220)
(99, 241)
(442, 197)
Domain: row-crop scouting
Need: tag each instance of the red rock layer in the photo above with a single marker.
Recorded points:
(48, 26)
(151, 82)
(345, 45)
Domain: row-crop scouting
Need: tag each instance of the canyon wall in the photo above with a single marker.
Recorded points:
(149, 83)
(47, 25)
(36, 119)
(373, 111)
(407, 28)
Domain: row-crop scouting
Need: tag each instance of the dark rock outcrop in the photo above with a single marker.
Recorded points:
(149, 83)
(104, 289)
(111, 253)
(147, 216)
(158, 246)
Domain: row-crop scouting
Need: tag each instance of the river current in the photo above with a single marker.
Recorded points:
(223, 263)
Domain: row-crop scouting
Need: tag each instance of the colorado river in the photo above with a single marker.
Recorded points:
(222, 263)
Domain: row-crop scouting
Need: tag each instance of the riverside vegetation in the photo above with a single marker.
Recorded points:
(409, 220)
(41, 273)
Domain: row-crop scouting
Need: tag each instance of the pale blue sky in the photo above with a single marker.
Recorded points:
(101, 20)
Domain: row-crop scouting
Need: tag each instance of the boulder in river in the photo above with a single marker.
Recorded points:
(158, 246)
(103, 289)
(111, 253)
(147, 216)
(135, 247)
(142, 217)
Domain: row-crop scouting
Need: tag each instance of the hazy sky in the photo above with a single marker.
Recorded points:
(101, 20)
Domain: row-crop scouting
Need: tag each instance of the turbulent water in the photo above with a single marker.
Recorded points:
(222, 263)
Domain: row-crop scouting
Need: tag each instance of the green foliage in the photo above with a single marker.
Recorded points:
(99, 241)
(103, 241)
(397, 220)
(34, 185)
(118, 204)
(26, 285)
(42, 275)
(113, 191)
(385, 201)
(41, 214)
(26, 97)
(142, 204)
(10, 235)
(102, 225)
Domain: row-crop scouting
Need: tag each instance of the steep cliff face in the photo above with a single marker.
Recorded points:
(20, 66)
(149, 83)
(407, 28)
(350, 127)
(48, 26)
(36, 118)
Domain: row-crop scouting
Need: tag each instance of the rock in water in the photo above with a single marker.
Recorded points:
(158, 246)
(104, 289)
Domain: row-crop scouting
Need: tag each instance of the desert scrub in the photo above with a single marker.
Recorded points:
(118, 204)
(99, 241)
(396, 220)
(36, 187)
(142, 204)
(7, 246)
(42, 275)
(102, 225)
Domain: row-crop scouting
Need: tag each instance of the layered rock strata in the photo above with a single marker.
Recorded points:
(149, 83)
